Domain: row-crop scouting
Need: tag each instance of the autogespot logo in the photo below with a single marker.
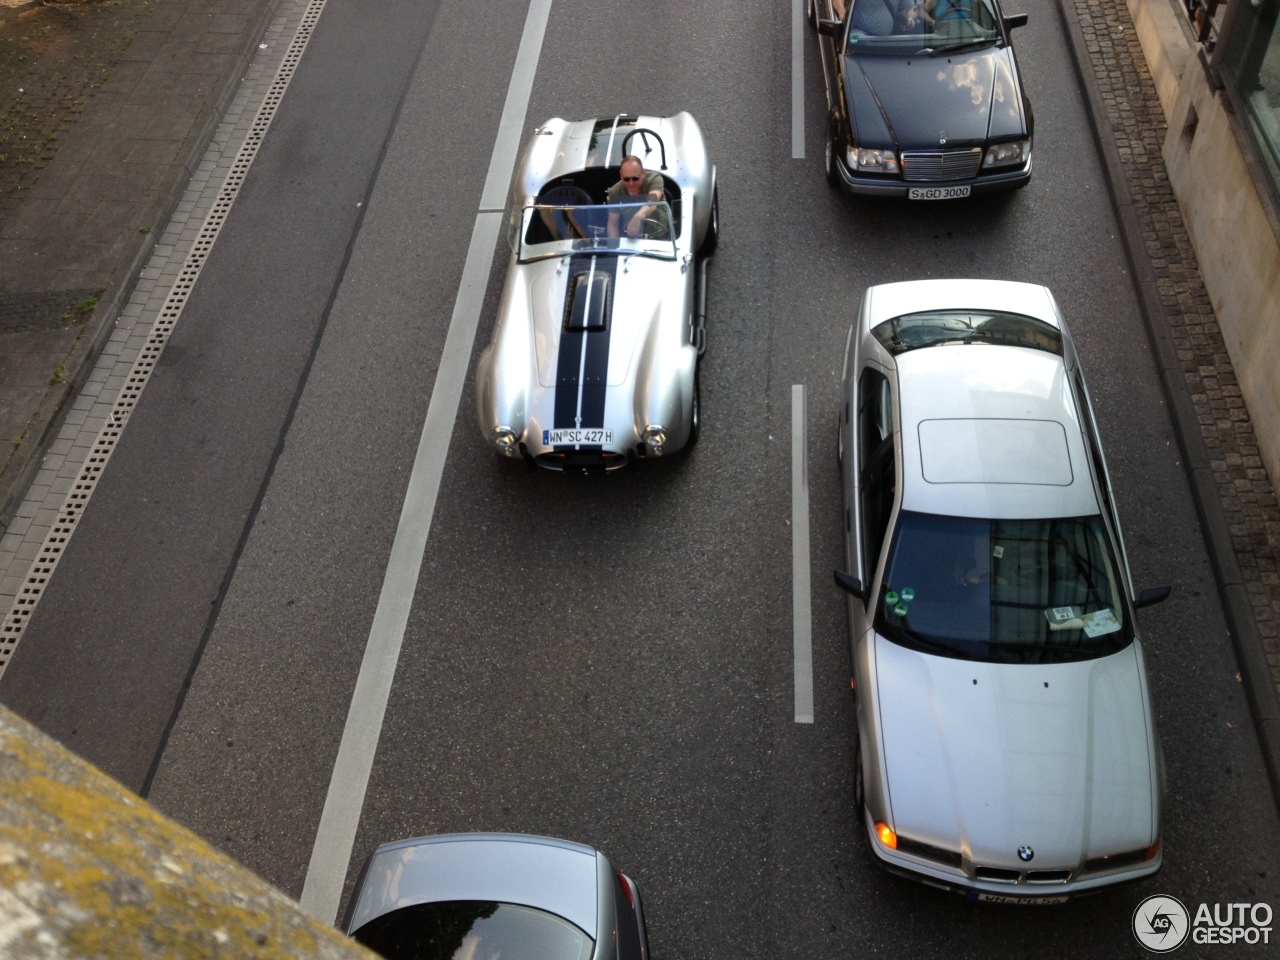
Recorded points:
(1161, 923)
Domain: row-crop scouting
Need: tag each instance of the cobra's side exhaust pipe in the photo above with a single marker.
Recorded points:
(700, 310)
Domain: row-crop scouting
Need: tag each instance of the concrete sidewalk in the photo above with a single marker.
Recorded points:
(104, 114)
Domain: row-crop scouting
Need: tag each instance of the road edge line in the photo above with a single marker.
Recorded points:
(801, 586)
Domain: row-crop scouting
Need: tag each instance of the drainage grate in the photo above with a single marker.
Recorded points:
(87, 480)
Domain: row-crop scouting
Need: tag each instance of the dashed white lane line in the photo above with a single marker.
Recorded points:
(797, 79)
(801, 612)
(335, 837)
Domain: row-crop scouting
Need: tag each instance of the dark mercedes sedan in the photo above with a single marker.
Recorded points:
(924, 98)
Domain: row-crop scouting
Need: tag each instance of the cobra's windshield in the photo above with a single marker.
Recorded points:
(1022, 591)
(626, 228)
(929, 26)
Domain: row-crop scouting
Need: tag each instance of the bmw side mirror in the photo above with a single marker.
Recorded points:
(1152, 595)
(851, 585)
(832, 28)
(1015, 20)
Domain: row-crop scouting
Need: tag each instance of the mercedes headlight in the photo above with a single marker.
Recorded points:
(1007, 155)
(867, 160)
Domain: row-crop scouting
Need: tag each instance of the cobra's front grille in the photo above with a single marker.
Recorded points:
(941, 164)
(587, 460)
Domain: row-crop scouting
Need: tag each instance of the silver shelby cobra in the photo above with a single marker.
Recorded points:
(594, 359)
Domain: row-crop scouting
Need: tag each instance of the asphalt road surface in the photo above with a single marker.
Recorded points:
(606, 659)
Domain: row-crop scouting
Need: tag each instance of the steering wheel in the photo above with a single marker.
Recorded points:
(651, 228)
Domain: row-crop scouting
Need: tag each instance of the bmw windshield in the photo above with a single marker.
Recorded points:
(906, 27)
(628, 228)
(1008, 591)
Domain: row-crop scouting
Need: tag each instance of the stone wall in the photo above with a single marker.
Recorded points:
(1236, 241)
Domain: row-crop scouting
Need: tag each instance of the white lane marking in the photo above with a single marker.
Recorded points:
(335, 837)
(797, 79)
(801, 615)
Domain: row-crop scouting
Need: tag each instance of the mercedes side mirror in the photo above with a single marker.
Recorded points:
(1152, 595)
(1015, 20)
(851, 585)
(832, 28)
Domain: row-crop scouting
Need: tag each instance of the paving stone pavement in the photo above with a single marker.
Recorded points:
(1136, 122)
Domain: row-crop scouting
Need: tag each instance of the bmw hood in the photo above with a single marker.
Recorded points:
(916, 102)
(986, 758)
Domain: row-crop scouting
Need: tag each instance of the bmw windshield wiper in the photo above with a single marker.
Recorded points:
(907, 633)
(1045, 649)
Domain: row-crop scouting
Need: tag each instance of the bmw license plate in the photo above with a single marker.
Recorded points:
(1017, 901)
(937, 193)
(573, 436)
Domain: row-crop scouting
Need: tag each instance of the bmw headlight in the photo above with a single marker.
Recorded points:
(867, 160)
(505, 439)
(654, 436)
(1007, 155)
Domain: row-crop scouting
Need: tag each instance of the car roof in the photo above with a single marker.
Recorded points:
(552, 875)
(888, 300)
(991, 431)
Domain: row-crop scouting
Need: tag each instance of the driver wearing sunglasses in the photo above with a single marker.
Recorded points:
(635, 185)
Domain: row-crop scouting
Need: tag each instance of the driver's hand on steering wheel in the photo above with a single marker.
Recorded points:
(635, 226)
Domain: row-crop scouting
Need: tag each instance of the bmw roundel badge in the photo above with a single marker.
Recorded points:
(1025, 854)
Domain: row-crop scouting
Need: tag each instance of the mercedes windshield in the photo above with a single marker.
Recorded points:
(929, 27)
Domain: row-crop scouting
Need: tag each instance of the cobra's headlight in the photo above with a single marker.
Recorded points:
(654, 436)
(505, 438)
(867, 160)
(1007, 155)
